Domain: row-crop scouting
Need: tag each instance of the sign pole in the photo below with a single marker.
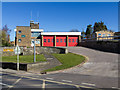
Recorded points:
(17, 60)
(17, 51)
(34, 52)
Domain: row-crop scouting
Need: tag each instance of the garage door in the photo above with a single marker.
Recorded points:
(48, 40)
(73, 40)
(60, 40)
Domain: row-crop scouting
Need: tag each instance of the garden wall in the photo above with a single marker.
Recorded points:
(107, 46)
(23, 66)
(30, 51)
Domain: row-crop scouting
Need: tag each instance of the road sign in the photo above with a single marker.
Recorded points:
(17, 50)
(8, 50)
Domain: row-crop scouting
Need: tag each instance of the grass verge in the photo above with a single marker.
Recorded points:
(67, 60)
(23, 59)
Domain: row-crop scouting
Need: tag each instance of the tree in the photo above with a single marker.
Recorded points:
(82, 34)
(98, 26)
(74, 30)
(5, 36)
(88, 30)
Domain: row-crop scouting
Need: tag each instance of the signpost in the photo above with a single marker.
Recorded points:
(34, 52)
(17, 51)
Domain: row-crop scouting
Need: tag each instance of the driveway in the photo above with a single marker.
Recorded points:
(99, 64)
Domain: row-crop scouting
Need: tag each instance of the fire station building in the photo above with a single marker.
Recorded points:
(26, 35)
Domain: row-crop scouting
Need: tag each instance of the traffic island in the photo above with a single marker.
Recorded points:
(26, 62)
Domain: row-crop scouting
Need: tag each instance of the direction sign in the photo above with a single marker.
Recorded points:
(17, 50)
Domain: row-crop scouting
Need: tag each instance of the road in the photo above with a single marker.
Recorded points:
(11, 81)
(101, 71)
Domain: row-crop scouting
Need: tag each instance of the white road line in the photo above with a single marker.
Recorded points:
(50, 78)
(16, 82)
(66, 81)
(88, 84)
(43, 86)
(115, 88)
(5, 84)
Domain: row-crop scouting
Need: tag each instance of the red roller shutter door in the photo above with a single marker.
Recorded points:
(60, 40)
(73, 40)
(48, 40)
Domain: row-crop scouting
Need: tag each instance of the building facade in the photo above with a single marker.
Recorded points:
(26, 35)
(102, 35)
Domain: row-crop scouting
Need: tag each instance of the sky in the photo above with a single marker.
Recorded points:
(59, 16)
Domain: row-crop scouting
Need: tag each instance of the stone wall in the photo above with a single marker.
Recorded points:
(107, 46)
(23, 66)
(30, 51)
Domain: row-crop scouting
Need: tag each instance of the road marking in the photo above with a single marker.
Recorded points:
(6, 84)
(53, 81)
(66, 81)
(43, 86)
(16, 82)
(88, 84)
(115, 88)
(85, 86)
(50, 78)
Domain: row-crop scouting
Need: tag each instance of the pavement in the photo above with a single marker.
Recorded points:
(100, 72)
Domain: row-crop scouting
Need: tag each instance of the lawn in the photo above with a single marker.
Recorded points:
(67, 60)
(23, 59)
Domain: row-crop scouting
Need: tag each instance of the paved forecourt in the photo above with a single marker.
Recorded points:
(99, 63)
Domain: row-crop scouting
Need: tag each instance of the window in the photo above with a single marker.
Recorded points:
(22, 35)
(48, 40)
(103, 35)
(60, 40)
(72, 40)
(33, 42)
(44, 40)
(109, 34)
(19, 40)
(19, 31)
(52, 40)
(69, 40)
(57, 40)
(64, 40)
(37, 42)
(99, 34)
(35, 34)
(76, 40)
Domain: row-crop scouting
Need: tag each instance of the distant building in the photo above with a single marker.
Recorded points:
(25, 36)
(117, 34)
(102, 35)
